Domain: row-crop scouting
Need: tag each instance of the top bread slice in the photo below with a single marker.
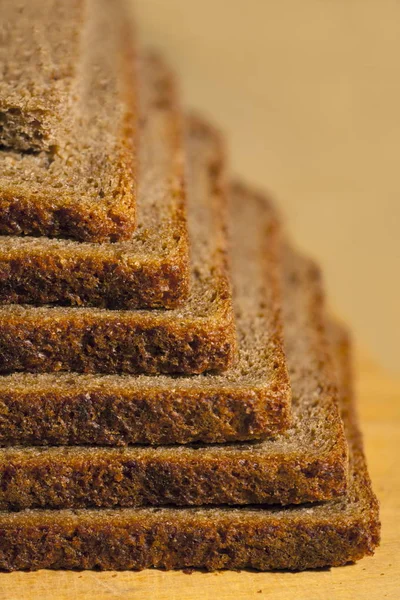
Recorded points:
(67, 119)
(198, 337)
(266, 538)
(251, 400)
(42, 49)
(151, 269)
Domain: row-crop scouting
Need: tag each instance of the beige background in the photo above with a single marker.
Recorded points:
(309, 95)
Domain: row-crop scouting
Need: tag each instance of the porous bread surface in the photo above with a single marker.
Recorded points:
(265, 538)
(250, 400)
(68, 119)
(149, 270)
(306, 463)
(40, 54)
(198, 337)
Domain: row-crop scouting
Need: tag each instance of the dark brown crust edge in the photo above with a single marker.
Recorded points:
(109, 478)
(104, 417)
(116, 343)
(215, 539)
(174, 545)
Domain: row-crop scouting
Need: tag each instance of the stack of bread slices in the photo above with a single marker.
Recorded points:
(173, 392)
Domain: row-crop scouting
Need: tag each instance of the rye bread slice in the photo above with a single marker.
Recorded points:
(149, 270)
(68, 119)
(198, 337)
(307, 463)
(249, 401)
(296, 538)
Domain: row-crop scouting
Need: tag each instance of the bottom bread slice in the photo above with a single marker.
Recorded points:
(299, 537)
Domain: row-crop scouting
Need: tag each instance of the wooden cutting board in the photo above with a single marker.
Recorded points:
(374, 578)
